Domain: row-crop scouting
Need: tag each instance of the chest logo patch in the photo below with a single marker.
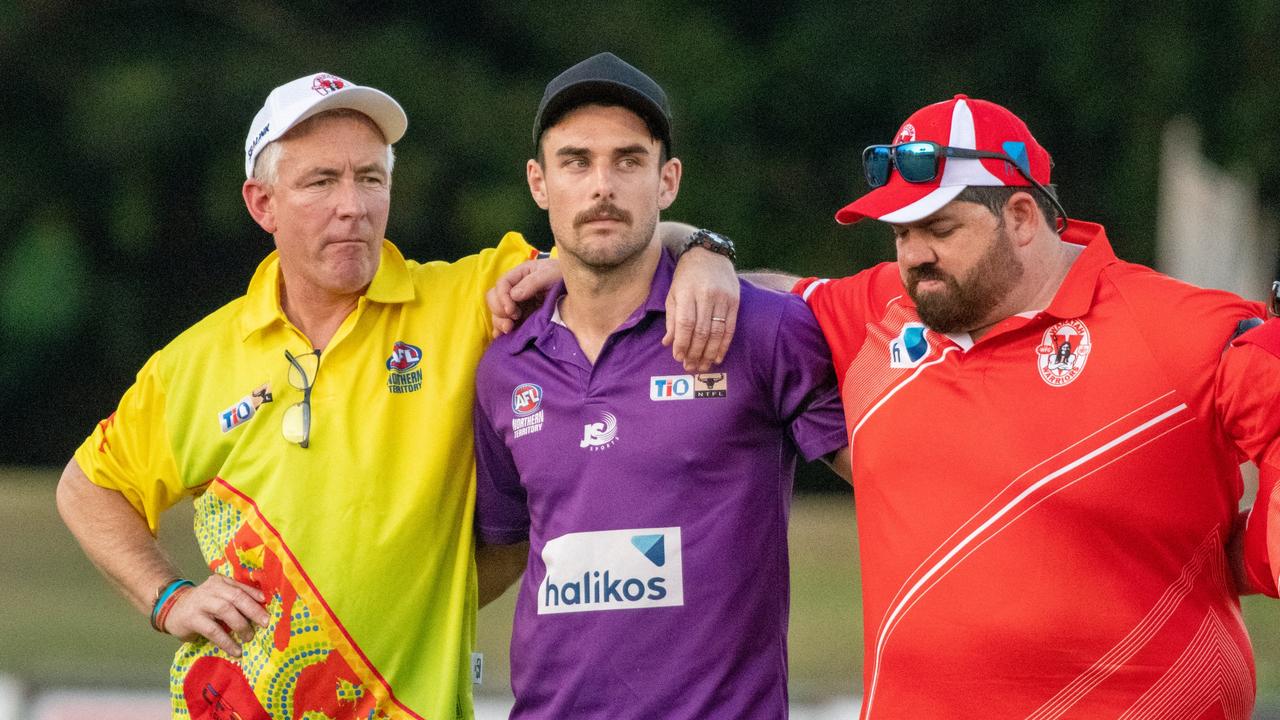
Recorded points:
(526, 403)
(600, 435)
(1063, 351)
(612, 570)
(707, 385)
(403, 373)
(526, 399)
(910, 347)
(688, 387)
(244, 410)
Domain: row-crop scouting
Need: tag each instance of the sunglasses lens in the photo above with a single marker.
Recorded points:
(917, 162)
(875, 164)
(296, 423)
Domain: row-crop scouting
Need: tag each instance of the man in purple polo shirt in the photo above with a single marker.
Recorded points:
(651, 504)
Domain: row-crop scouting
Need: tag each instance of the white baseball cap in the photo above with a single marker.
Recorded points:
(296, 101)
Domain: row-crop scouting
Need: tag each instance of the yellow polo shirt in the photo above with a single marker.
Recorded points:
(361, 541)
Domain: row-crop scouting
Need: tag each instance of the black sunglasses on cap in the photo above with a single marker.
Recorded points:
(920, 161)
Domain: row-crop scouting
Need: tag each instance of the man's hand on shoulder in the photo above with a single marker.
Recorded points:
(519, 291)
(702, 309)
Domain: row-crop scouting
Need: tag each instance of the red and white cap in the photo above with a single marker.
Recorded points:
(961, 122)
(298, 100)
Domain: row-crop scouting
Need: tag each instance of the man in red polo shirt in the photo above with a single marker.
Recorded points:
(1046, 476)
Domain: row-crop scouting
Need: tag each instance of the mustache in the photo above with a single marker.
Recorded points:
(604, 210)
(927, 271)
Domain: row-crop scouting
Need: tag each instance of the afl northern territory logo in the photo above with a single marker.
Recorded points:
(1063, 351)
(526, 399)
(403, 373)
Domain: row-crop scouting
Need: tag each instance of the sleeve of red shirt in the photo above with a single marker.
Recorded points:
(1247, 396)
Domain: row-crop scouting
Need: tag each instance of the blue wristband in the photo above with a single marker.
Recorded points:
(165, 593)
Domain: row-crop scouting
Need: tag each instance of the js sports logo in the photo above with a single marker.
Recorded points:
(600, 435)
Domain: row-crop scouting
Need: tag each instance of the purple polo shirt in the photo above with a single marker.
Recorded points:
(655, 503)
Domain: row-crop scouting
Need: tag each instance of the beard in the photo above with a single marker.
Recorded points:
(603, 256)
(967, 305)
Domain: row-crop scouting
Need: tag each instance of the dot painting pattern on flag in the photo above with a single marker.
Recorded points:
(302, 665)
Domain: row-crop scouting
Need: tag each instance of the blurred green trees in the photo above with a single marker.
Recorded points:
(123, 125)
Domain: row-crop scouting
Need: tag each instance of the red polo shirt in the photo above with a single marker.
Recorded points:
(1043, 513)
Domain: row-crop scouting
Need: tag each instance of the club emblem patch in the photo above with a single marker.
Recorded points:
(526, 403)
(906, 134)
(403, 373)
(526, 399)
(325, 83)
(1062, 352)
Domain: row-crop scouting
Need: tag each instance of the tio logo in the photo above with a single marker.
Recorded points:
(243, 411)
(671, 387)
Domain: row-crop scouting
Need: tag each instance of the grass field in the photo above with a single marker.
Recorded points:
(61, 624)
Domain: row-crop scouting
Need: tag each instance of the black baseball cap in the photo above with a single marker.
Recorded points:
(608, 78)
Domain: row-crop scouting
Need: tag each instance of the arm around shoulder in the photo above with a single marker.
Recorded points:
(771, 280)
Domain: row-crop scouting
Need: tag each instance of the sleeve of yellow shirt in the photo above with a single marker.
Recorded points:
(129, 451)
(492, 263)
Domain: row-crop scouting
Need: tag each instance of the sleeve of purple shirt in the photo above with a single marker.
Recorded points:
(502, 509)
(804, 383)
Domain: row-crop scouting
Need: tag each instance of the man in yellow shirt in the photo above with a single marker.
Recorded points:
(322, 422)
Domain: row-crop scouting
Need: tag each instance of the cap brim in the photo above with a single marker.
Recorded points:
(379, 106)
(898, 202)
